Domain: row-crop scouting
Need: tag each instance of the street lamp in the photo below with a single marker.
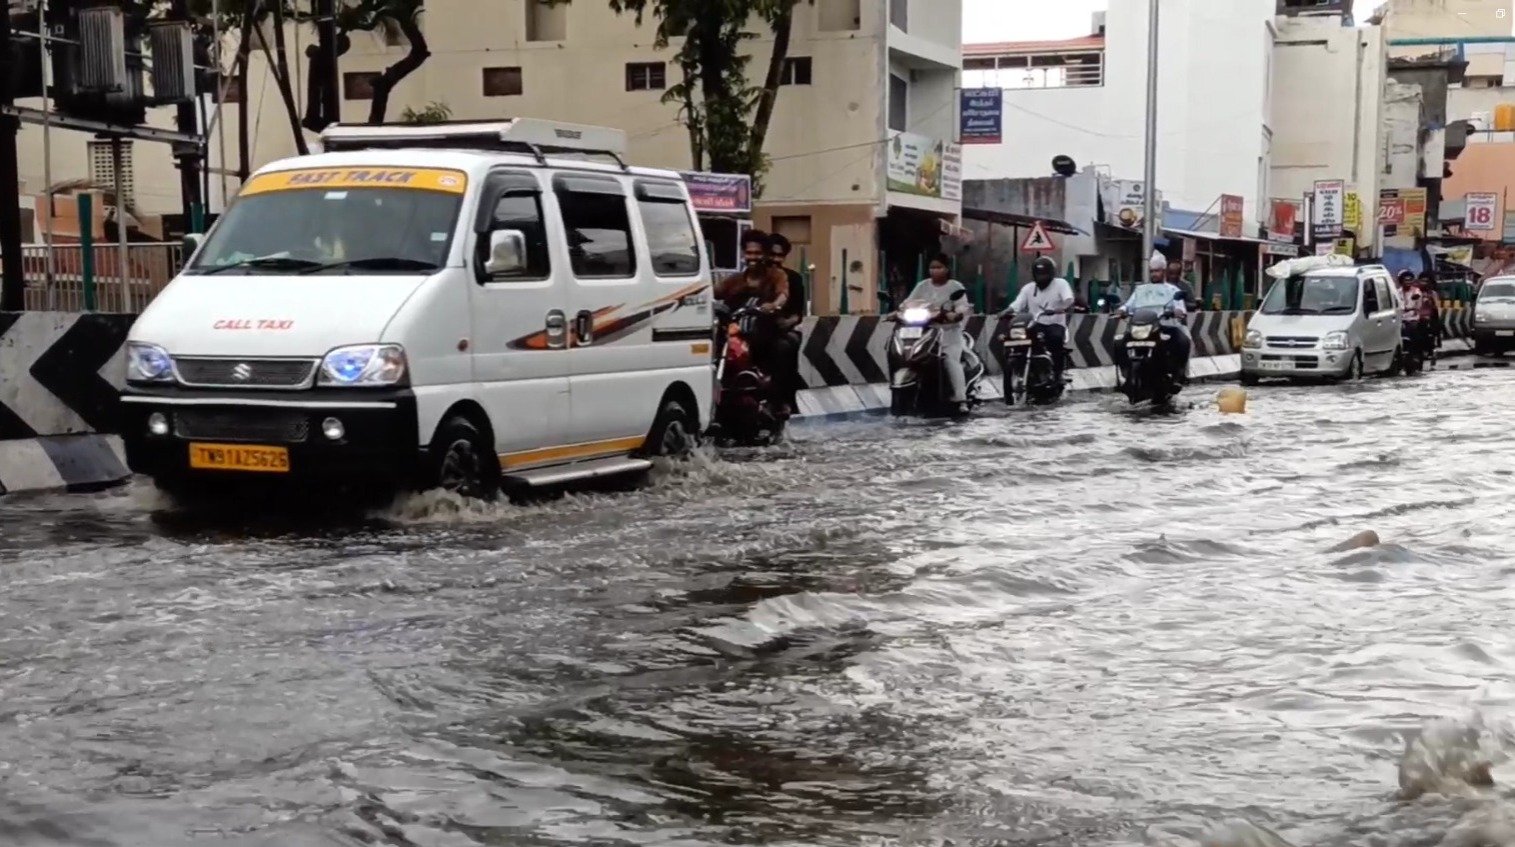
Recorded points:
(1149, 199)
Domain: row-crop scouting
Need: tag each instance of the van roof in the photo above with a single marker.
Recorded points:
(471, 161)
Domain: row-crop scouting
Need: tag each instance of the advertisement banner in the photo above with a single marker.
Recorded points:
(1124, 199)
(917, 165)
(1282, 215)
(1409, 205)
(1481, 213)
(1231, 215)
(1328, 212)
(1352, 219)
(982, 116)
(952, 172)
(726, 194)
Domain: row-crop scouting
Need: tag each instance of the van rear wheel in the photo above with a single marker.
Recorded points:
(674, 434)
(462, 462)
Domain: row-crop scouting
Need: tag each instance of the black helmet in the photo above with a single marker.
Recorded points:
(1043, 270)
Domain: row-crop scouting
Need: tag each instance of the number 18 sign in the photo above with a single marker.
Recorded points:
(1482, 212)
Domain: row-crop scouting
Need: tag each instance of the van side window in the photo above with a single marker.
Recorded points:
(599, 231)
(671, 237)
(522, 210)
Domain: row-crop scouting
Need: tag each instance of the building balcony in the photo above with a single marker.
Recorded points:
(1079, 63)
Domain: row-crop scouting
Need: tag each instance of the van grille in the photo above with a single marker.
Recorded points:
(1296, 342)
(245, 373)
(278, 426)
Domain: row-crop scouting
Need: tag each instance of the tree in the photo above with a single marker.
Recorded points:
(380, 15)
(726, 115)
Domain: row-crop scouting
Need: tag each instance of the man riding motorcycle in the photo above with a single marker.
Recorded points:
(776, 351)
(1430, 306)
(937, 290)
(1047, 302)
(1159, 290)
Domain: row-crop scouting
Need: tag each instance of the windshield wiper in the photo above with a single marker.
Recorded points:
(288, 263)
(1335, 310)
(375, 263)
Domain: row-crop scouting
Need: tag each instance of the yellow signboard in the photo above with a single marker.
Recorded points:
(420, 179)
(1352, 221)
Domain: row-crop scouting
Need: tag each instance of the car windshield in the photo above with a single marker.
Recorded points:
(1312, 295)
(1497, 291)
(337, 220)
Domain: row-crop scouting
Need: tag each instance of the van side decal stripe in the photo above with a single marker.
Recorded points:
(570, 452)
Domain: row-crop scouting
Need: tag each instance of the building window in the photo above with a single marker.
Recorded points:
(796, 71)
(546, 21)
(358, 85)
(671, 238)
(502, 82)
(899, 14)
(599, 234)
(840, 15)
(899, 103)
(646, 76)
(523, 211)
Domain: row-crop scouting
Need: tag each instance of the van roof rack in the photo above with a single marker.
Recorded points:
(515, 135)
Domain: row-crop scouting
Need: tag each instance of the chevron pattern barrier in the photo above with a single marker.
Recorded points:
(853, 350)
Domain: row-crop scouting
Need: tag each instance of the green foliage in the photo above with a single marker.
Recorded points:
(433, 113)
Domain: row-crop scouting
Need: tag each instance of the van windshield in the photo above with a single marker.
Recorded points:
(1312, 295)
(337, 220)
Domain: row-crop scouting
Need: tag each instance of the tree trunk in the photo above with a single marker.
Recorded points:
(244, 54)
(280, 62)
(385, 84)
(783, 23)
(693, 121)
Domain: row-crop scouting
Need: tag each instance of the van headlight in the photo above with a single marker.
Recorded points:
(148, 363)
(1253, 341)
(1334, 341)
(364, 365)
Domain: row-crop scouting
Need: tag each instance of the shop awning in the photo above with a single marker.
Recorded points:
(1215, 236)
(1023, 221)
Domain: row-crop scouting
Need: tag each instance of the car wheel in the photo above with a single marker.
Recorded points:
(463, 462)
(674, 434)
(1355, 370)
(1249, 380)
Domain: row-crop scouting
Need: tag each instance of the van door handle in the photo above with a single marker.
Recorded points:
(557, 329)
(583, 327)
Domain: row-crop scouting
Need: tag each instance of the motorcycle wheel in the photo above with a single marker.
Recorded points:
(902, 401)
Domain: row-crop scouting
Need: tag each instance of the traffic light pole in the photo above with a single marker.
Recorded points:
(190, 157)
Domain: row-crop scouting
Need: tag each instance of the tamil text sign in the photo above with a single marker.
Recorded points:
(982, 116)
(1232, 212)
(1328, 209)
(729, 194)
(928, 167)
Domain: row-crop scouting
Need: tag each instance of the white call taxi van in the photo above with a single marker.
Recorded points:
(467, 306)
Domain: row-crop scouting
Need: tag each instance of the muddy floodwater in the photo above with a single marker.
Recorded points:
(1075, 626)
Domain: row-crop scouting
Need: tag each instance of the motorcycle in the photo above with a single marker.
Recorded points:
(918, 384)
(1029, 371)
(1150, 372)
(746, 413)
(1419, 348)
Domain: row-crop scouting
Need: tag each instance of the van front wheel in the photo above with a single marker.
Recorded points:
(461, 461)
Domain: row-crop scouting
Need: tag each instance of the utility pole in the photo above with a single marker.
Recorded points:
(13, 287)
(190, 156)
(326, 32)
(1149, 208)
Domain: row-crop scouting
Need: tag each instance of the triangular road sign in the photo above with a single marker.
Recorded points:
(1038, 241)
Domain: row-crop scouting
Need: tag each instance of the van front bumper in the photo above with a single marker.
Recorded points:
(378, 439)
(1294, 363)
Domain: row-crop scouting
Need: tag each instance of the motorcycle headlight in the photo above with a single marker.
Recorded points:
(1334, 341)
(1140, 333)
(364, 365)
(1253, 341)
(916, 316)
(1018, 333)
(148, 363)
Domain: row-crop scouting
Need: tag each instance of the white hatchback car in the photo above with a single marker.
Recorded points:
(1328, 323)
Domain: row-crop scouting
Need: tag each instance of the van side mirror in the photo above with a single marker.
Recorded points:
(507, 253)
(190, 246)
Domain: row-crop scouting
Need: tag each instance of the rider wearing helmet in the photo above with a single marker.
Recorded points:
(1158, 289)
(1047, 302)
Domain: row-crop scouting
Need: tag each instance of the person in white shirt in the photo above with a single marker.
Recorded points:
(937, 290)
(1158, 293)
(1047, 302)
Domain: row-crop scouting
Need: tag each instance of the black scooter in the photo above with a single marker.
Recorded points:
(918, 381)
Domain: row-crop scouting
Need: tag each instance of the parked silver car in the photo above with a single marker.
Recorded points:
(1494, 316)
(1330, 323)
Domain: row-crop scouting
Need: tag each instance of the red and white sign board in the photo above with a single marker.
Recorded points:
(1391, 211)
(1038, 241)
(1482, 212)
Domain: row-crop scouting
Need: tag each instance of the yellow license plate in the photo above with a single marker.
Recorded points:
(238, 457)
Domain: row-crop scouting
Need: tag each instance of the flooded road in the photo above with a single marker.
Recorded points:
(1064, 627)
